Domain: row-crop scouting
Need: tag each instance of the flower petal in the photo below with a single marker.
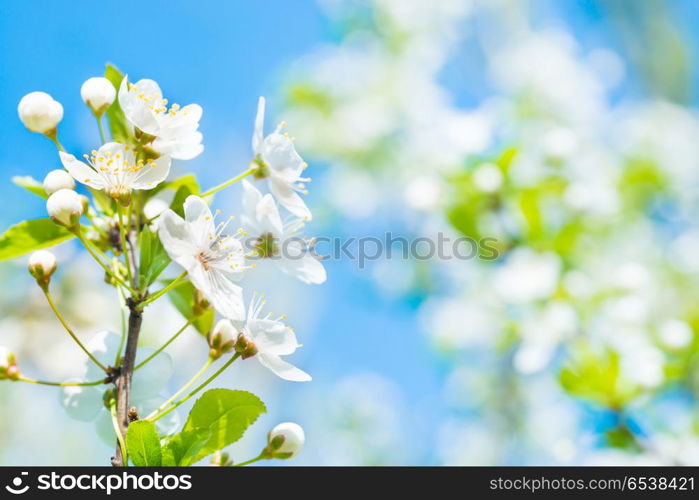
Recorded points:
(151, 379)
(268, 218)
(279, 154)
(251, 197)
(176, 237)
(272, 336)
(152, 174)
(225, 296)
(135, 106)
(257, 135)
(103, 346)
(288, 198)
(282, 369)
(306, 268)
(198, 215)
(81, 403)
(81, 172)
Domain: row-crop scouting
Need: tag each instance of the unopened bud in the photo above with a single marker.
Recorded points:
(8, 365)
(58, 179)
(285, 441)
(221, 339)
(40, 112)
(42, 264)
(65, 207)
(98, 93)
(221, 459)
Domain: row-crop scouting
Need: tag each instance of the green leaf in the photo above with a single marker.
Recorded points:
(226, 414)
(178, 200)
(31, 235)
(30, 184)
(181, 450)
(189, 180)
(153, 258)
(596, 377)
(143, 444)
(182, 297)
(118, 125)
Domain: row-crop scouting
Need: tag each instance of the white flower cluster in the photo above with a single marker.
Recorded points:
(214, 260)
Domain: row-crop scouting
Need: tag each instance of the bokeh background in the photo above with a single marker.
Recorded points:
(565, 130)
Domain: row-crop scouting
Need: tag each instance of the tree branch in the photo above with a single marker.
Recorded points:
(123, 382)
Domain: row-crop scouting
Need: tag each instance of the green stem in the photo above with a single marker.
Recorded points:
(60, 384)
(251, 461)
(122, 310)
(162, 291)
(117, 431)
(162, 348)
(69, 330)
(123, 230)
(86, 243)
(182, 390)
(101, 128)
(54, 137)
(195, 391)
(235, 179)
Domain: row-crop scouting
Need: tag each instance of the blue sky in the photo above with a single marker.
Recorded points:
(222, 55)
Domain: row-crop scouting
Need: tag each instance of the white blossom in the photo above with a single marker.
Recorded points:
(214, 261)
(115, 169)
(174, 128)
(280, 242)
(270, 339)
(278, 160)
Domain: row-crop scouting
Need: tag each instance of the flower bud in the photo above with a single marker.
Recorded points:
(285, 441)
(58, 179)
(221, 459)
(8, 365)
(65, 207)
(40, 113)
(42, 264)
(222, 338)
(245, 347)
(98, 93)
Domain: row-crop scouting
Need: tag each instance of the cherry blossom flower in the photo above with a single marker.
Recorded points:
(174, 128)
(214, 261)
(115, 169)
(277, 160)
(280, 242)
(267, 339)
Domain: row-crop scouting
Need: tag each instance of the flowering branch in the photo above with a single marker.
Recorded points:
(134, 246)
